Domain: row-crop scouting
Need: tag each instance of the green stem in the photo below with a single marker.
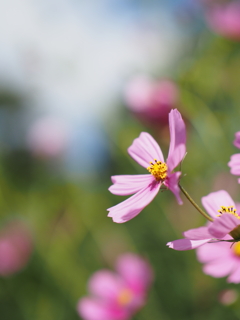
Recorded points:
(194, 203)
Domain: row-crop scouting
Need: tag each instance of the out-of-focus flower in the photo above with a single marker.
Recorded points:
(228, 297)
(224, 19)
(221, 256)
(47, 137)
(234, 162)
(151, 101)
(117, 296)
(15, 248)
(145, 150)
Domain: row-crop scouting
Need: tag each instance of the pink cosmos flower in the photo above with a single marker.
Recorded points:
(145, 150)
(151, 101)
(15, 248)
(220, 258)
(224, 19)
(117, 296)
(234, 162)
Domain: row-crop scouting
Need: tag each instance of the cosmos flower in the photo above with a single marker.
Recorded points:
(217, 243)
(221, 258)
(221, 208)
(151, 101)
(117, 295)
(234, 162)
(224, 19)
(15, 248)
(145, 150)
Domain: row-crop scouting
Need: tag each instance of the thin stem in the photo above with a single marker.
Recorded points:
(194, 203)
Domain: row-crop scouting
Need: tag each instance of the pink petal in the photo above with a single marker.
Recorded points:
(131, 207)
(234, 164)
(177, 149)
(172, 184)
(214, 251)
(136, 272)
(93, 309)
(235, 276)
(219, 268)
(125, 185)
(236, 142)
(145, 149)
(90, 309)
(224, 19)
(105, 284)
(186, 244)
(237, 206)
(223, 225)
(213, 202)
(197, 234)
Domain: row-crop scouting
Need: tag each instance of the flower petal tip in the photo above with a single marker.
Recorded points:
(169, 245)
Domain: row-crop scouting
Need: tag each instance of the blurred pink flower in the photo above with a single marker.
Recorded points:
(145, 150)
(224, 19)
(15, 248)
(47, 137)
(220, 258)
(151, 101)
(234, 162)
(117, 296)
(228, 296)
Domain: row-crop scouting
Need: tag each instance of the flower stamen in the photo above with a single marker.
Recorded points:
(236, 249)
(230, 210)
(158, 169)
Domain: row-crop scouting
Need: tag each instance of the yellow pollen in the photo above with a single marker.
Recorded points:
(158, 169)
(236, 249)
(125, 297)
(230, 210)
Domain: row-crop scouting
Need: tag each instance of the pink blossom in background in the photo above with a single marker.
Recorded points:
(220, 258)
(228, 296)
(236, 141)
(47, 137)
(151, 100)
(224, 19)
(145, 151)
(15, 248)
(117, 295)
(234, 162)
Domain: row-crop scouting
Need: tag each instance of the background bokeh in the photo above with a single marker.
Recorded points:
(66, 124)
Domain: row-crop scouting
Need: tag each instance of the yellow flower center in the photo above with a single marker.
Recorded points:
(236, 249)
(230, 210)
(158, 169)
(125, 297)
